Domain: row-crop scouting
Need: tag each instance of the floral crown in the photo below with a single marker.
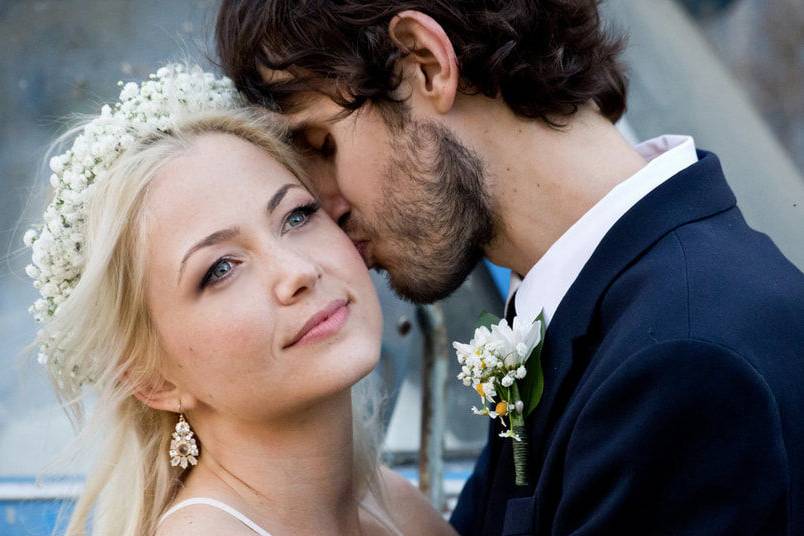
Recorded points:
(59, 243)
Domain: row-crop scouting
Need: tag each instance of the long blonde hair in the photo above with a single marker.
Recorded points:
(112, 338)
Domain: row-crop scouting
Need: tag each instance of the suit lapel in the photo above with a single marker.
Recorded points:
(695, 193)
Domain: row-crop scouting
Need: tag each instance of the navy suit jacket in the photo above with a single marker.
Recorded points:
(674, 385)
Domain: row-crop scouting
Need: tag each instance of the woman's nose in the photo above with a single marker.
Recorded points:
(297, 276)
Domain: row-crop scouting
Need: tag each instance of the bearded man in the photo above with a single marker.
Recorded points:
(439, 132)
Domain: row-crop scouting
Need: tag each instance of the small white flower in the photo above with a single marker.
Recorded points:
(511, 361)
(486, 390)
(463, 351)
(521, 340)
(519, 406)
(57, 163)
(473, 361)
(29, 237)
(521, 372)
(129, 91)
(56, 250)
(507, 381)
(481, 337)
(483, 412)
(529, 333)
(510, 433)
(49, 290)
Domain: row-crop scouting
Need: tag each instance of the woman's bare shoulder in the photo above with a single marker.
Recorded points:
(410, 509)
(202, 520)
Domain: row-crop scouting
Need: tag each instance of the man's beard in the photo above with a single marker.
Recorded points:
(436, 218)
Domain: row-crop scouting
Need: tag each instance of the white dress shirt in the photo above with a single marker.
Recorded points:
(546, 284)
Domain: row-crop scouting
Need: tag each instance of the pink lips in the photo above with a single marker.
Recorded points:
(323, 324)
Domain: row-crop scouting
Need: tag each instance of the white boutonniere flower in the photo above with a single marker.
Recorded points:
(501, 363)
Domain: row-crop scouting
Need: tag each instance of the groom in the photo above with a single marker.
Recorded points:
(440, 132)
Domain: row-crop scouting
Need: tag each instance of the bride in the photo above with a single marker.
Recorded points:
(189, 281)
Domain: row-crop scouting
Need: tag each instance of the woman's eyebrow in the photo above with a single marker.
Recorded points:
(228, 234)
(212, 239)
(279, 195)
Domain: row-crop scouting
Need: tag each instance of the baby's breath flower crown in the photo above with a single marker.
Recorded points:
(58, 244)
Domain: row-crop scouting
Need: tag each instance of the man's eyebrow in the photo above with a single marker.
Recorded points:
(212, 239)
(312, 122)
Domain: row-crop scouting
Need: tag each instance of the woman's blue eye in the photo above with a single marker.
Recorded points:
(301, 215)
(221, 269)
(217, 271)
(296, 219)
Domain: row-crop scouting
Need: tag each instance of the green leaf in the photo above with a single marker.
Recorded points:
(533, 383)
(487, 320)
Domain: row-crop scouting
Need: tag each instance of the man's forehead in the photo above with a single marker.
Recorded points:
(307, 107)
(315, 110)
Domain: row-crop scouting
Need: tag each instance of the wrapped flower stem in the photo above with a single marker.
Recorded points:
(520, 446)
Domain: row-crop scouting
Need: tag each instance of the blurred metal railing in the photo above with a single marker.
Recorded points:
(435, 355)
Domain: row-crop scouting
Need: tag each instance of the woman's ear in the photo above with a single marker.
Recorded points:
(161, 394)
(429, 67)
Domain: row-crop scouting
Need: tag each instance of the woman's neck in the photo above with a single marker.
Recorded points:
(293, 475)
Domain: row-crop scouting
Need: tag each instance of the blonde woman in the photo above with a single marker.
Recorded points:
(189, 279)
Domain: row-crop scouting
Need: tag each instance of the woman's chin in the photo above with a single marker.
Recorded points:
(357, 364)
(337, 366)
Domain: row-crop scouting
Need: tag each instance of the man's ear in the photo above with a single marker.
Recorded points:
(161, 394)
(430, 66)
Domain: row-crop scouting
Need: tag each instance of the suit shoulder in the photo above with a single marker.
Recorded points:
(722, 250)
(714, 279)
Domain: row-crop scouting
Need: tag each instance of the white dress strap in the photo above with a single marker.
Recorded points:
(220, 506)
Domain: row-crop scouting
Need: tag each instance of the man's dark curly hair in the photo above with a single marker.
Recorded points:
(544, 58)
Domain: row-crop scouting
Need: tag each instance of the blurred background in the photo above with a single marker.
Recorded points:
(727, 72)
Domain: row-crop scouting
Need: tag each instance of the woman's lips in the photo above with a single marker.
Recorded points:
(323, 324)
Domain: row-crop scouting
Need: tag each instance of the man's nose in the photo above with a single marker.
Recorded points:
(336, 206)
(331, 199)
(326, 188)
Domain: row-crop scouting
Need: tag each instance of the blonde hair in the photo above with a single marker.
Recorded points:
(107, 333)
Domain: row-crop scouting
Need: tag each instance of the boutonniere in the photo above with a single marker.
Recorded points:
(502, 364)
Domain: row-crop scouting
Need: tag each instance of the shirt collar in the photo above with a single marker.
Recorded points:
(548, 281)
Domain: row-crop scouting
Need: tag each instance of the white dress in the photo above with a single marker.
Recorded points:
(368, 507)
(220, 506)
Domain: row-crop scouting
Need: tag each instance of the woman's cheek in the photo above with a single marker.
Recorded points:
(340, 244)
(237, 335)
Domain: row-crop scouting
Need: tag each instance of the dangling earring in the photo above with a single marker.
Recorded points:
(183, 449)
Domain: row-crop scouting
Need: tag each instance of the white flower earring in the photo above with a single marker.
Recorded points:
(183, 448)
